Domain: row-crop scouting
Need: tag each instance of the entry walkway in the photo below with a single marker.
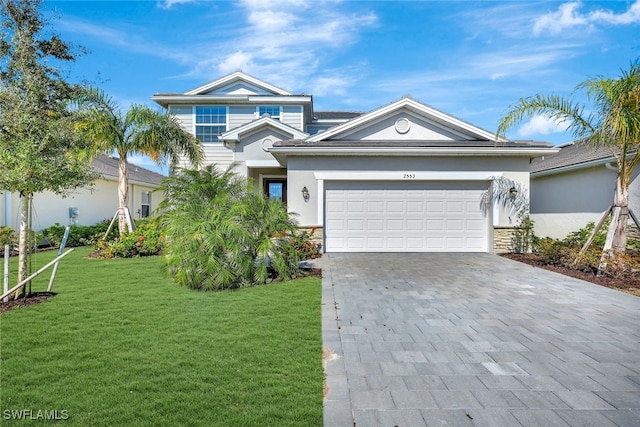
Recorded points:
(475, 340)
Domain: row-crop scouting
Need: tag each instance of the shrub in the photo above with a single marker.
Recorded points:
(7, 237)
(580, 237)
(223, 234)
(79, 235)
(147, 239)
(302, 245)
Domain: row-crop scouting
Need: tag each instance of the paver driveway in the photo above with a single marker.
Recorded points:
(475, 340)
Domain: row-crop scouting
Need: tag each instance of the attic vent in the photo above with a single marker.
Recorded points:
(267, 143)
(403, 125)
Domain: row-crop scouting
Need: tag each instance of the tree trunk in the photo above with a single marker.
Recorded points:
(621, 201)
(123, 190)
(23, 246)
(617, 235)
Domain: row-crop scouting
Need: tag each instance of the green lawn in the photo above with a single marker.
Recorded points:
(121, 345)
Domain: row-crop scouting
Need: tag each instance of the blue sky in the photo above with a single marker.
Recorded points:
(470, 59)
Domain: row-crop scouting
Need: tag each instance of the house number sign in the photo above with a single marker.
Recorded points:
(411, 175)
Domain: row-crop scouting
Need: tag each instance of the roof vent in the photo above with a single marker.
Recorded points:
(403, 125)
(267, 143)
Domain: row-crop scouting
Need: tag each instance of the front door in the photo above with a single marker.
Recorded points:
(276, 188)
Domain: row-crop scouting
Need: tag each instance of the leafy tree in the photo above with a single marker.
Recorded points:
(611, 118)
(139, 130)
(223, 234)
(38, 147)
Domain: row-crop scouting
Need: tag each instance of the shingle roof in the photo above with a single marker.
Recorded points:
(574, 153)
(108, 166)
(337, 114)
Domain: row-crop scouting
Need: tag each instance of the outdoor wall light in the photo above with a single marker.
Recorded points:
(305, 194)
(513, 192)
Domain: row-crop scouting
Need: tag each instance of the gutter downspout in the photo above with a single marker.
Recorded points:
(609, 165)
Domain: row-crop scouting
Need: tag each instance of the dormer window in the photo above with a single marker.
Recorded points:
(272, 110)
(211, 122)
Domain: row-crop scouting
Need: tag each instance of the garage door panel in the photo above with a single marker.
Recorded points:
(375, 206)
(404, 216)
(374, 225)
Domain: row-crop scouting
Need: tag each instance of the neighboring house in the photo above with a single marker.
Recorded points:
(88, 206)
(402, 178)
(574, 187)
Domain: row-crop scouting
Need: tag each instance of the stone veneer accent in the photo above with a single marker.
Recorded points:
(316, 233)
(502, 240)
(501, 237)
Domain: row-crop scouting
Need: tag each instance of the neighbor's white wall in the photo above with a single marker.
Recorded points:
(301, 172)
(565, 202)
(93, 206)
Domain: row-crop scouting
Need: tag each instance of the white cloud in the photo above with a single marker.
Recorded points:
(565, 17)
(541, 125)
(568, 16)
(168, 4)
(631, 16)
(236, 61)
(287, 43)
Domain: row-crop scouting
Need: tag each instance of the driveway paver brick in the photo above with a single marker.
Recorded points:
(475, 340)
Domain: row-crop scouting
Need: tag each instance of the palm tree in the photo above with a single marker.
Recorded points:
(139, 130)
(222, 233)
(611, 119)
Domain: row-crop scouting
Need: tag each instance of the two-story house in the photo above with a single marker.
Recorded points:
(405, 177)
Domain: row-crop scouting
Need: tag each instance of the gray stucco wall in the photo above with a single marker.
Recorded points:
(565, 202)
(302, 170)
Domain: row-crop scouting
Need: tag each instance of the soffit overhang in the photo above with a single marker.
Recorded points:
(168, 99)
(282, 153)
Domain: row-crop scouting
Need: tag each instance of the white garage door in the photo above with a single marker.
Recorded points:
(415, 216)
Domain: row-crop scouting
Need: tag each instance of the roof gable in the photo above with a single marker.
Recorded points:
(405, 120)
(264, 122)
(237, 83)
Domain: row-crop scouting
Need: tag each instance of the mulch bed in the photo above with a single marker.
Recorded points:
(24, 301)
(630, 283)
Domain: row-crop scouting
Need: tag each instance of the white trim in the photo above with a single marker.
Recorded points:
(321, 206)
(403, 151)
(415, 106)
(238, 76)
(240, 131)
(262, 164)
(165, 100)
(400, 176)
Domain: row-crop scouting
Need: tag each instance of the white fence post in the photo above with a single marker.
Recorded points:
(6, 272)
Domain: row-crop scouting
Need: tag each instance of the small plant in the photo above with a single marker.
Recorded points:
(7, 237)
(523, 238)
(303, 247)
(147, 239)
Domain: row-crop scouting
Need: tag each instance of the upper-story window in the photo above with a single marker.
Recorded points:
(271, 110)
(211, 122)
